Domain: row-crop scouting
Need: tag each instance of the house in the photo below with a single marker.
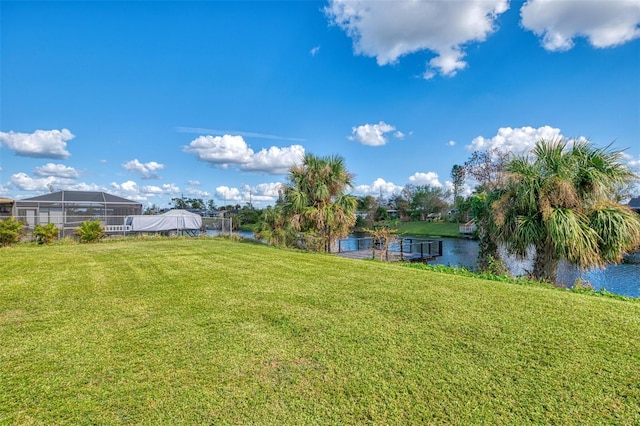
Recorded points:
(68, 209)
(6, 207)
(634, 204)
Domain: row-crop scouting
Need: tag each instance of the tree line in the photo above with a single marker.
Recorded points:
(561, 202)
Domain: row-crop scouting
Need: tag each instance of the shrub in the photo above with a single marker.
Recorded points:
(90, 231)
(45, 234)
(10, 231)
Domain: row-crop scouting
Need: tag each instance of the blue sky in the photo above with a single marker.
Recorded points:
(152, 100)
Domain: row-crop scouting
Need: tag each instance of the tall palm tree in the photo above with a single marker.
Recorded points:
(560, 200)
(316, 203)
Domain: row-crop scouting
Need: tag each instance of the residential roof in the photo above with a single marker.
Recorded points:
(80, 197)
(634, 203)
(6, 200)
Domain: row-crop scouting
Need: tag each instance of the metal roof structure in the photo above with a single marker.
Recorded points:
(634, 204)
(80, 197)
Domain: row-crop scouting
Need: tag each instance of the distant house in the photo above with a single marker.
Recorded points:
(634, 204)
(6, 207)
(68, 209)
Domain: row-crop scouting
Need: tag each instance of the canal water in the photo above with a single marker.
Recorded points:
(623, 279)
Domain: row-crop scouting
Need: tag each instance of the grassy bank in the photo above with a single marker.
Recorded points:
(428, 229)
(213, 331)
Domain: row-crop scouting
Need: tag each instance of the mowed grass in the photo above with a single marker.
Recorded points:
(211, 331)
(428, 229)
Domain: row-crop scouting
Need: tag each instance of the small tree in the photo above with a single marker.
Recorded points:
(383, 236)
(10, 231)
(90, 231)
(45, 234)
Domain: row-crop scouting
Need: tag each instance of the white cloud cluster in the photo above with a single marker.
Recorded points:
(147, 170)
(429, 178)
(604, 23)
(388, 30)
(264, 192)
(167, 189)
(378, 187)
(132, 191)
(39, 144)
(224, 150)
(374, 134)
(632, 163)
(198, 193)
(518, 141)
(56, 170)
(24, 182)
(274, 160)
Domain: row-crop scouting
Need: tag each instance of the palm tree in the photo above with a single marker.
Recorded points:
(273, 228)
(315, 201)
(560, 201)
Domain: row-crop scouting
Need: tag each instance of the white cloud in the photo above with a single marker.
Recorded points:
(224, 150)
(193, 182)
(275, 160)
(83, 186)
(221, 150)
(262, 194)
(56, 170)
(451, 143)
(314, 51)
(127, 187)
(266, 191)
(228, 194)
(24, 182)
(605, 23)
(379, 186)
(632, 163)
(201, 130)
(39, 144)
(168, 189)
(518, 141)
(429, 178)
(388, 30)
(374, 134)
(147, 170)
(198, 193)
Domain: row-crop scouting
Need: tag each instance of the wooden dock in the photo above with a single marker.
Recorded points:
(406, 251)
(388, 256)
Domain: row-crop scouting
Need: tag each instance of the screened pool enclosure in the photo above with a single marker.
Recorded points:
(68, 209)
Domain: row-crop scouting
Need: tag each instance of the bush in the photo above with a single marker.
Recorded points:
(10, 231)
(90, 231)
(45, 234)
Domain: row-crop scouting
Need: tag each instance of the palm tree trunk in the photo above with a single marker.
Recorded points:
(545, 264)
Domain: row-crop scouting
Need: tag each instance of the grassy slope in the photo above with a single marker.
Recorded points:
(204, 331)
(429, 229)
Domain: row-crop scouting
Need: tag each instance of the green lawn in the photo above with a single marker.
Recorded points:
(211, 331)
(429, 229)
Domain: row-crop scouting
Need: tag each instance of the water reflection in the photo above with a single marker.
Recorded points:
(621, 279)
